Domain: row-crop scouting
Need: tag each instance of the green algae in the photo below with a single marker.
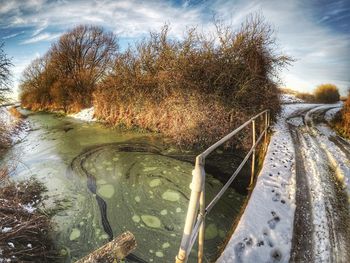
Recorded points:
(106, 190)
(171, 196)
(155, 183)
(151, 221)
(136, 218)
(211, 231)
(166, 245)
(159, 254)
(75, 234)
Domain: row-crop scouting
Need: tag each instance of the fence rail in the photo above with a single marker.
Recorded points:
(197, 211)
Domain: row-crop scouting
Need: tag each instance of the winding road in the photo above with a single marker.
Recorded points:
(321, 223)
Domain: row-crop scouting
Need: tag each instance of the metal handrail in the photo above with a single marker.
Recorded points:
(197, 211)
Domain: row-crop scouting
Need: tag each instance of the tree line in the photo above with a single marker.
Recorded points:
(66, 76)
(194, 89)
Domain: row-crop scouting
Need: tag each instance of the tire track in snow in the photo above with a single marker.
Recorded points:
(330, 209)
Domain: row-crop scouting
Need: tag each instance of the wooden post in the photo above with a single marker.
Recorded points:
(113, 251)
(253, 156)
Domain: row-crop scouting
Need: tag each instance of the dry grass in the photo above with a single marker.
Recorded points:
(24, 236)
(15, 113)
(342, 122)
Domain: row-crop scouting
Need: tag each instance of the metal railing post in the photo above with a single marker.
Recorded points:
(265, 130)
(202, 227)
(197, 210)
(198, 177)
(253, 155)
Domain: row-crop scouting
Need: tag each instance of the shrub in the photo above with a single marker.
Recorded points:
(343, 124)
(327, 93)
(195, 90)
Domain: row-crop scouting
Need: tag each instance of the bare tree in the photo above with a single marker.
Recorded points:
(5, 73)
(82, 56)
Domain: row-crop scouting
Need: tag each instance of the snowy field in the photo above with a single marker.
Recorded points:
(289, 99)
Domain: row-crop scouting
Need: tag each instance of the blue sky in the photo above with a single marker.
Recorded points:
(315, 32)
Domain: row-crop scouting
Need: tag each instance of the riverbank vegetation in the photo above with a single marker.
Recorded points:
(24, 229)
(193, 90)
(342, 120)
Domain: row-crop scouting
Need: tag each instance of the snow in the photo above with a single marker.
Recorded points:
(29, 208)
(314, 162)
(338, 158)
(329, 107)
(85, 115)
(6, 229)
(11, 244)
(331, 113)
(289, 99)
(18, 129)
(264, 232)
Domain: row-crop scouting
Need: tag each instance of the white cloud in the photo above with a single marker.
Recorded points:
(133, 18)
(41, 37)
(40, 29)
(12, 35)
(322, 55)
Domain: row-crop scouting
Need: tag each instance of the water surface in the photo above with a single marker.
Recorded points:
(107, 181)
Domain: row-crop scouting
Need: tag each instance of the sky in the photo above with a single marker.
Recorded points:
(316, 33)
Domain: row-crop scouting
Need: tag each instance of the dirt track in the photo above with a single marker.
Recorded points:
(321, 223)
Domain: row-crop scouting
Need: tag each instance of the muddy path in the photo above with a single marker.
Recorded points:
(321, 223)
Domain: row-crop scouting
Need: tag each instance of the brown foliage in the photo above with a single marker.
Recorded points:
(195, 90)
(342, 124)
(346, 116)
(15, 113)
(65, 78)
(23, 227)
(327, 93)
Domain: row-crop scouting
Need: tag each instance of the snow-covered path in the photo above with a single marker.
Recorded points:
(321, 227)
(299, 209)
